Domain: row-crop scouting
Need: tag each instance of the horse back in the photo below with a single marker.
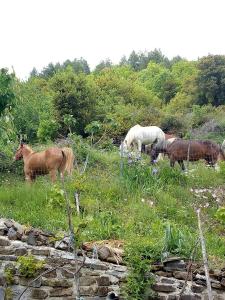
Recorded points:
(194, 150)
(44, 161)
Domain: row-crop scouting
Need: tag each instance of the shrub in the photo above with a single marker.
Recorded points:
(29, 266)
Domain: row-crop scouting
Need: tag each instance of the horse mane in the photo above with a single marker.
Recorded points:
(28, 148)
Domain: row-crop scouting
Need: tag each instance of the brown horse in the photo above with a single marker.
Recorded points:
(45, 162)
(190, 150)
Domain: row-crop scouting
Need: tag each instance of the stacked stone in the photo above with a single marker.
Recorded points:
(173, 281)
(96, 278)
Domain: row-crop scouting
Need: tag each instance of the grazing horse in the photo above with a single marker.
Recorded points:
(45, 162)
(139, 135)
(190, 150)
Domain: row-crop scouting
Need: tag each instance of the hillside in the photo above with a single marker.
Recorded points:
(151, 209)
(154, 214)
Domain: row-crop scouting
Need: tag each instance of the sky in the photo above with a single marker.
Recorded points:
(37, 32)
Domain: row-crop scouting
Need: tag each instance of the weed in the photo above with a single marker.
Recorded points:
(29, 266)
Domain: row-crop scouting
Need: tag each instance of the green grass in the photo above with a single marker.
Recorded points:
(152, 213)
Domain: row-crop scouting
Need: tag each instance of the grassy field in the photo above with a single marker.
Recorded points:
(153, 213)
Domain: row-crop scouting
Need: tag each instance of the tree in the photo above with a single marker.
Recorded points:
(159, 80)
(104, 64)
(211, 80)
(34, 73)
(134, 61)
(74, 95)
(6, 89)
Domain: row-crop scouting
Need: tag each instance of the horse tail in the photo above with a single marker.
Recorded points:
(68, 158)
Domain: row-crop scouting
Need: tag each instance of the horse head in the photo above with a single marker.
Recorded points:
(156, 149)
(19, 152)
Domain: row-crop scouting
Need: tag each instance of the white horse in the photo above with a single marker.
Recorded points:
(139, 135)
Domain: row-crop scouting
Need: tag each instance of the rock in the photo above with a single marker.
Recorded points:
(216, 285)
(103, 281)
(222, 282)
(113, 279)
(61, 245)
(161, 296)
(104, 253)
(4, 241)
(2, 293)
(12, 234)
(174, 264)
(102, 291)
(164, 274)
(168, 280)
(190, 297)
(182, 275)
(89, 290)
(155, 268)
(2, 279)
(55, 282)
(39, 294)
(19, 229)
(21, 251)
(31, 240)
(67, 273)
(41, 251)
(8, 223)
(88, 280)
(24, 238)
(163, 287)
(197, 288)
(52, 274)
(3, 228)
(25, 281)
(8, 250)
(8, 257)
(61, 292)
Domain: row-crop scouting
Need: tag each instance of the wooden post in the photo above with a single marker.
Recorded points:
(204, 256)
(121, 159)
(77, 202)
(188, 155)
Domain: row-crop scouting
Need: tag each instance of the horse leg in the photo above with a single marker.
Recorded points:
(139, 149)
(172, 163)
(181, 163)
(53, 175)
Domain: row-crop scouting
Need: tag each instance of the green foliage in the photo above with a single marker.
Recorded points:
(6, 89)
(33, 109)
(9, 273)
(220, 214)
(29, 266)
(74, 95)
(211, 80)
(8, 294)
(177, 241)
(140, 253)
(56, 197)
(47, 130)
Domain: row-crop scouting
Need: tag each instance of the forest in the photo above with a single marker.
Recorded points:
(92, 110)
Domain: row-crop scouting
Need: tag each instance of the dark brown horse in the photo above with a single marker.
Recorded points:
(190, 150)
(45, 162)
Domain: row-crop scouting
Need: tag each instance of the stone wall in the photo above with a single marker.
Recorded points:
(175, 279)
(97, 279)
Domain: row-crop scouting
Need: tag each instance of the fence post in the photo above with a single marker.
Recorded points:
(204, 256)
(121, 158)
(188, 155)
